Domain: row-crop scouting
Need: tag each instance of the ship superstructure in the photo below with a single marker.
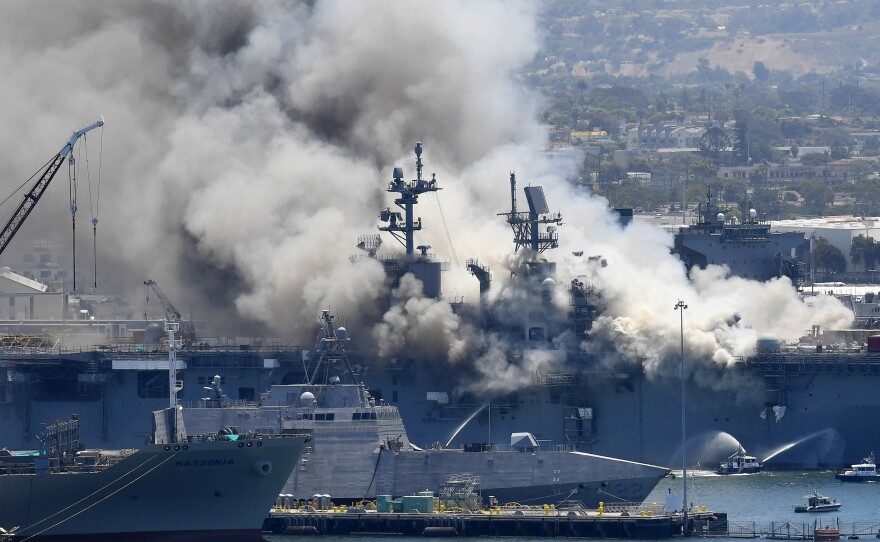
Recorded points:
(747, 247)
(403, 226)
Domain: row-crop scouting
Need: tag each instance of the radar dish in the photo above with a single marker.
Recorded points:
(535, 197)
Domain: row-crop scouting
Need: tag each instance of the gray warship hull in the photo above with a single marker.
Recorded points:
(348, 462)
(798, 410)
(216, 490)
(628, 415)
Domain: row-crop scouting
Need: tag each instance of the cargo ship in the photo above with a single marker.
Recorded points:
(181, 487)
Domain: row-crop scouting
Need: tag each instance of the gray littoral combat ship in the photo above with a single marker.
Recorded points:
(360, 449)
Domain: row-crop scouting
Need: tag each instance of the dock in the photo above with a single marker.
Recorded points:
(543, 523)
(806, 530)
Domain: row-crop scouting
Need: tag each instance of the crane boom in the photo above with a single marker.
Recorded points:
(36, 192)
(171, 314)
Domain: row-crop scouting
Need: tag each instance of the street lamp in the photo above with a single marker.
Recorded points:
(684, 473)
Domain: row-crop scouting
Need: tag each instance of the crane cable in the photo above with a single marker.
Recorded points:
(29, 179)
(93, 202)
(71, 181)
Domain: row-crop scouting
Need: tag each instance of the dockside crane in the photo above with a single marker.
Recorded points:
(36, 192)
(172, 326)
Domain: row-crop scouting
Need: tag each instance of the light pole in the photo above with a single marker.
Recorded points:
(684, 473)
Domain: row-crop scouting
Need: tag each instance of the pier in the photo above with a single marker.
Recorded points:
(534, 522)
(790, 530)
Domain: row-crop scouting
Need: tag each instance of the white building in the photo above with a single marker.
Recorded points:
(839, 231)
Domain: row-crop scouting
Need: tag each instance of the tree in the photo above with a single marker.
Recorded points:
(827, 257)
(610, 172)
(839, 153)
(817, 195)
(863, 249)
(815, 159)
(761, 72)
(639, 164)
(767, 203)
(713, 144)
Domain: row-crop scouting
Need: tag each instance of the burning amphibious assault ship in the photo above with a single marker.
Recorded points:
(803, 407)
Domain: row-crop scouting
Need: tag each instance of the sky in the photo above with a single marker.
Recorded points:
(248, 146)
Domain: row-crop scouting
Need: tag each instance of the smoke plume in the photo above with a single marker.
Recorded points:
(248, 146)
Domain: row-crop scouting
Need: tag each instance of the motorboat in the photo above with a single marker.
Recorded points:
(866, 471)
(740, 463)
(818, 503)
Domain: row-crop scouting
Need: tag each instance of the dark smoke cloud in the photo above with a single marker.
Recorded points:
(248, 145)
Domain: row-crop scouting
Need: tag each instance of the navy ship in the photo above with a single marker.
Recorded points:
(360, 448)
(746, 246)
(801, 405)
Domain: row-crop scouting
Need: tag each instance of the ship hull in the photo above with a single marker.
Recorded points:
(532, 478)
(242, 535)
(192, 491)
(747, 470)
(638, 417)
(633, 415)
(349, 462)
(857, 479)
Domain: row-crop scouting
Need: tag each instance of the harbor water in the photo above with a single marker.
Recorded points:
(754, 501)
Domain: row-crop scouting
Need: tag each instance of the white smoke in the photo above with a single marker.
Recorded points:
(248, 145)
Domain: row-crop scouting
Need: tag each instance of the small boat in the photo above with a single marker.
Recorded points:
(826, 533)
(818, 503)
(740, 463)
(866, 471)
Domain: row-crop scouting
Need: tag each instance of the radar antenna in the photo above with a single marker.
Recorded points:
(525, 225)
(370, 244)
(409, 197)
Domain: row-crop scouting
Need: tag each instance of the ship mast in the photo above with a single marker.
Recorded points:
(330, 348)
(409, 197)
(525, 225)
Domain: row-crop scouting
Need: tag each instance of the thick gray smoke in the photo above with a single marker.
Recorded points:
(248, 145)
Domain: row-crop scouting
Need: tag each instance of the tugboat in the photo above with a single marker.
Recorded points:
(866, 471)
(818, 503)
(740, 463)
